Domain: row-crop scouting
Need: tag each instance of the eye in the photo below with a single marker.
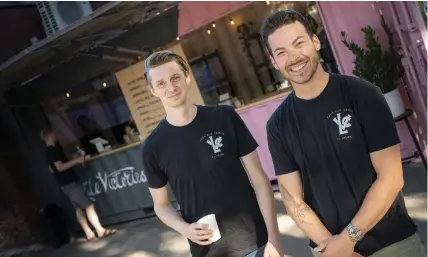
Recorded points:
(280, 53)
(175, 78)
(161, 84)
(300, 43)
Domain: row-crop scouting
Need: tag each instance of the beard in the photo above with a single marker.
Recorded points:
(306, 75)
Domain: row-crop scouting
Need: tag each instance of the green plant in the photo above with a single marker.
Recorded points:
(374, 64)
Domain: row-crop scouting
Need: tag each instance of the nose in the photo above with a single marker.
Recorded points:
(170, 87)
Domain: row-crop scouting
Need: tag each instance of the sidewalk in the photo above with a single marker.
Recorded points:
(149, 237)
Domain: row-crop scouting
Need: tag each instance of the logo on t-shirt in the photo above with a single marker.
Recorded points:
(215, 143)
(343, 123)
(215, 140)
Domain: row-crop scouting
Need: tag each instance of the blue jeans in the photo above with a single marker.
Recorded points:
(257, 253)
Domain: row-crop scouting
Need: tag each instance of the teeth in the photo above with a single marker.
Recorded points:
(298, 67)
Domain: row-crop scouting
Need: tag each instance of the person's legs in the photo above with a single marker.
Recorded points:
(79, 198)
(84, 224)
(410, 247)
(93, 218)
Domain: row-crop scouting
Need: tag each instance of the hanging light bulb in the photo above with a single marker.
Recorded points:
(232, 22)
(208, 31)
(178, 38)
(67, 95)
(104, 84)
(213, 25)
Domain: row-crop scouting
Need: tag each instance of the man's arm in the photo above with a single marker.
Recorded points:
(166, 213)
(290, 186)
(197, 233)
(384, 191)
(381, 137)
(263, 192)
(63, 166)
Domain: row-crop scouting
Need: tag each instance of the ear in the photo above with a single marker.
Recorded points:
(272, 60)
(317, 42)
(188, 79)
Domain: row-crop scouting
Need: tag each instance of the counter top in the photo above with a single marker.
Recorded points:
(113, 151)
(266, 98)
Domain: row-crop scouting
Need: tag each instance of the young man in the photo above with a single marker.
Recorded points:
(70, 185)
(208, 156)
(336, 152)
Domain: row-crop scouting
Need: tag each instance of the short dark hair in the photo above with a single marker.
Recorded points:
(280, 19)
(159, 58)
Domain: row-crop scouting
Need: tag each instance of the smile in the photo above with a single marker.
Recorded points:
(174, 95)
(298, 67)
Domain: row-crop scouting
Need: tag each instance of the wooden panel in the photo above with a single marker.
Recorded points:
(146, 109)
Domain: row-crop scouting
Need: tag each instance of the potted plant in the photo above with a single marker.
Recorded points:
(381, 67)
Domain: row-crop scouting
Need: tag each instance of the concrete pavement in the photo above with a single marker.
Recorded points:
(150, 238)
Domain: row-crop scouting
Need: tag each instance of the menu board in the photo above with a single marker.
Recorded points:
(146, 109)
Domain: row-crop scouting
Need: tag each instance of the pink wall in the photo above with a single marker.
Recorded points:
(351, 17)
(256, 118)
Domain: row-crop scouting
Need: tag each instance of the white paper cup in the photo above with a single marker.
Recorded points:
(211, 221)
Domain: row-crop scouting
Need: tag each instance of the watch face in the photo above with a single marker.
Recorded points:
(354, 233)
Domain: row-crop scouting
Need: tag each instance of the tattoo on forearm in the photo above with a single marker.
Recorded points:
(298, 210)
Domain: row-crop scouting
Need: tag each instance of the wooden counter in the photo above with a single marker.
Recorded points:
(266, 98)
(113, 151)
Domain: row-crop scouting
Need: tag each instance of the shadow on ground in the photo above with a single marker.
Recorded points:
(150, 238)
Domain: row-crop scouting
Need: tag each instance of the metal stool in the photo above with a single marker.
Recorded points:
(405, 116)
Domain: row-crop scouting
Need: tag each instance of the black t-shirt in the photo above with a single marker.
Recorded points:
(201, 162)
(329, 140)
(54, 154)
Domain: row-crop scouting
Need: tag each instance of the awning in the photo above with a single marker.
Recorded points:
(103, 41)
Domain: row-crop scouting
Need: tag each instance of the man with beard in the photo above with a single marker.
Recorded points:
(336, 152)
(208, 156)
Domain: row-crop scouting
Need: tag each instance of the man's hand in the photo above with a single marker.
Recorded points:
(80, 160)
(336, 246)
(198, 234)
(273, 249)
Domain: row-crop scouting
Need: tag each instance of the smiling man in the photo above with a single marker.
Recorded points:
(208, 156)
(336, 152)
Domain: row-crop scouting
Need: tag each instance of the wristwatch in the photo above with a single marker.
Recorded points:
(354, 233)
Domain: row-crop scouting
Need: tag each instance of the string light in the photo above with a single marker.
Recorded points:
(208, 31)
(232, 22)
(67, 95)
(213, 25)
(178, 38)
(104, 84)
